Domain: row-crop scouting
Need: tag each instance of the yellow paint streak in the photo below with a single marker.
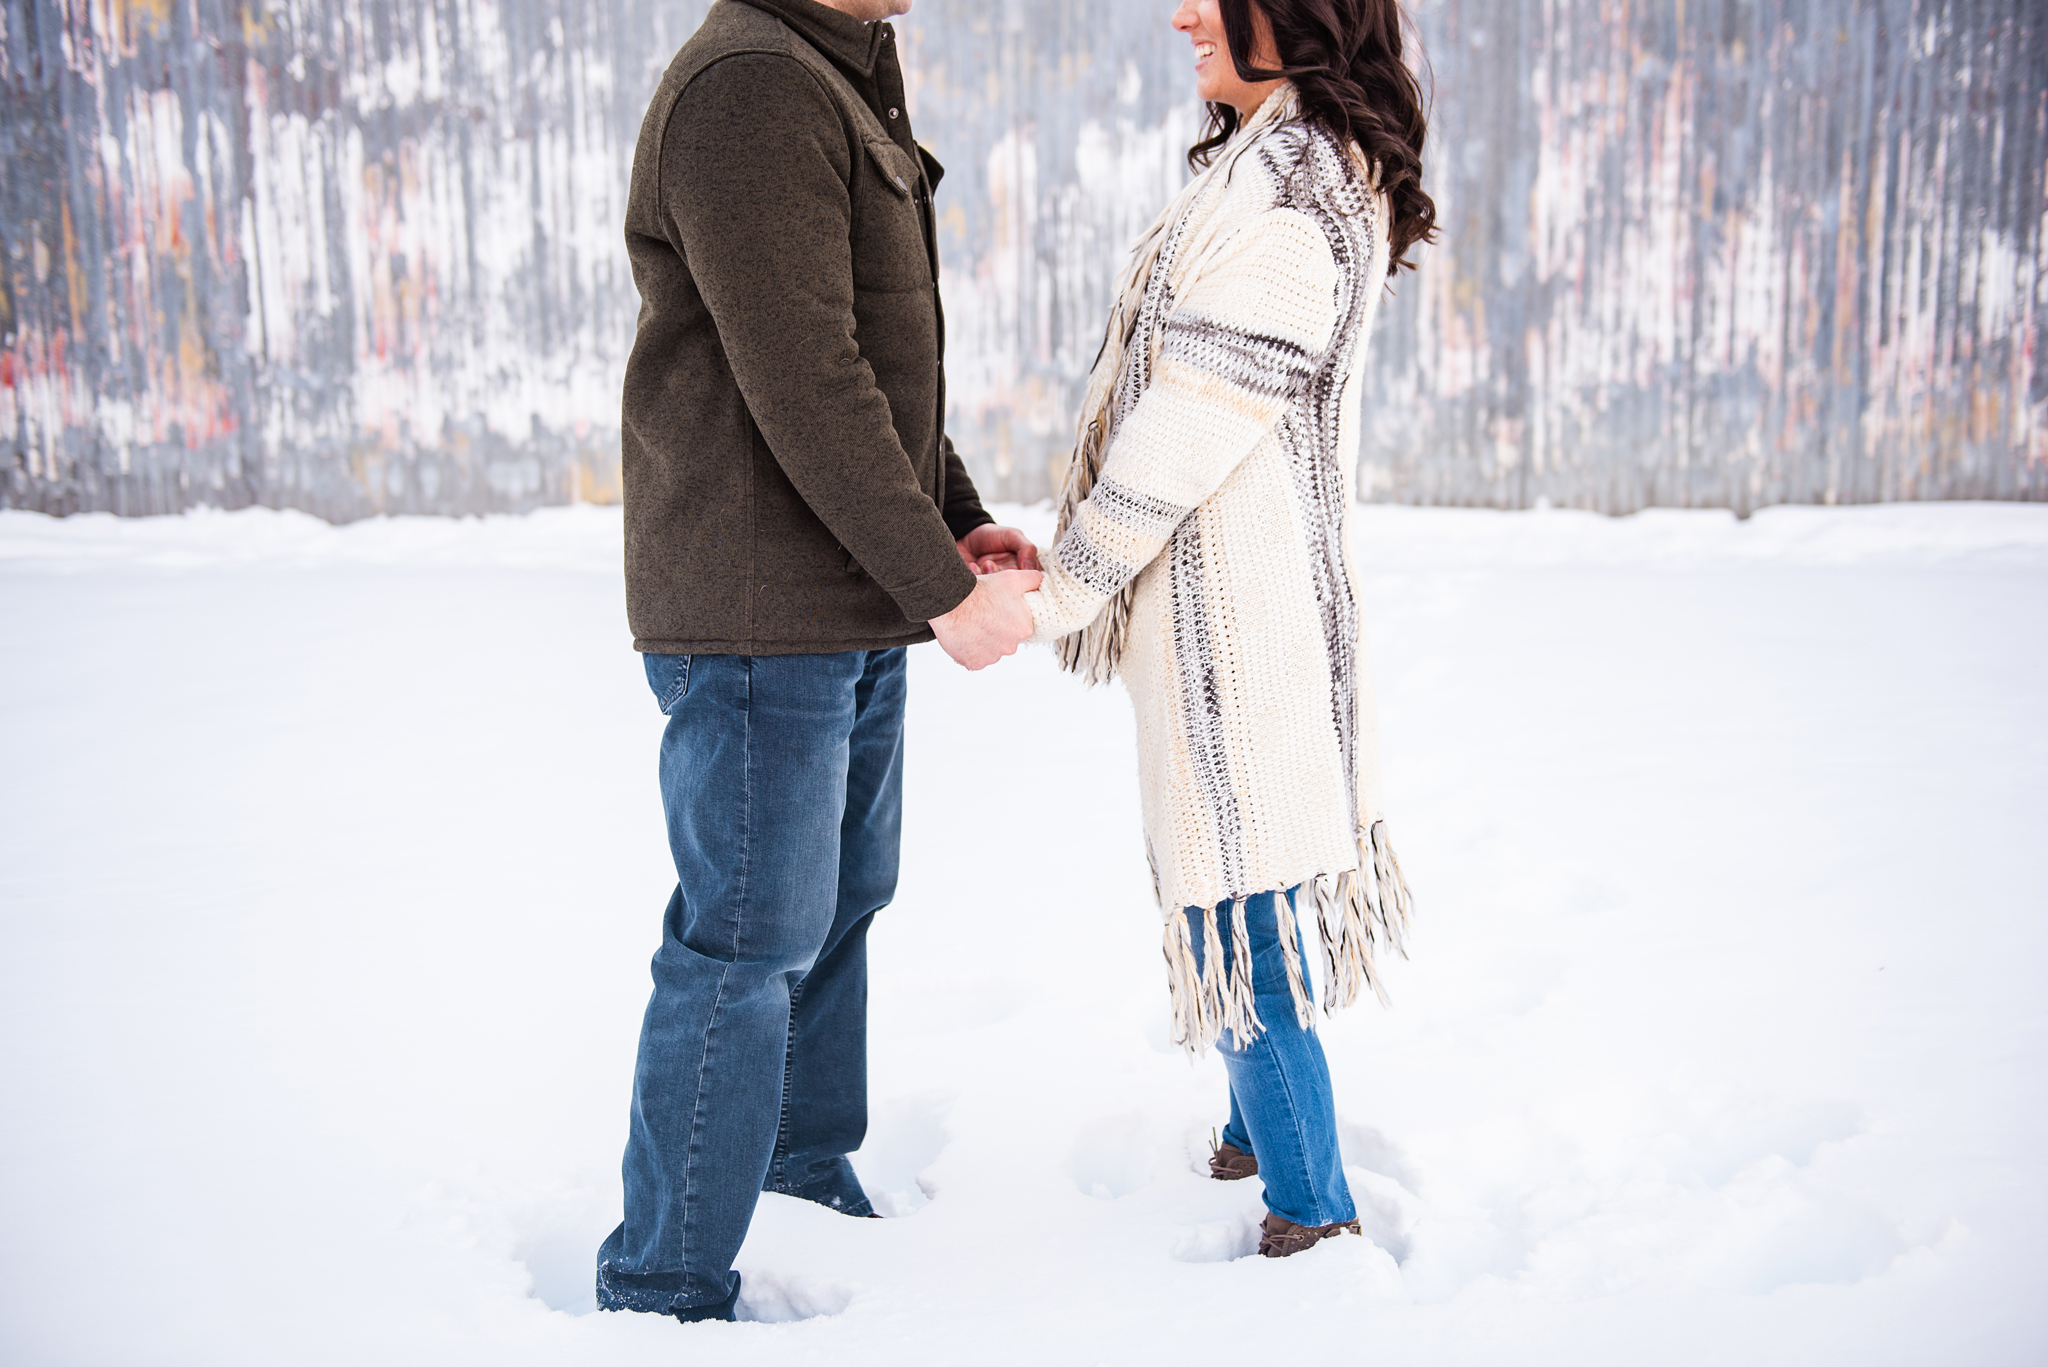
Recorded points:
(366, 466)
(74, 277)
(124, 15)
(597, 477)
(255, 27)
(1987, 414)
(194, 357)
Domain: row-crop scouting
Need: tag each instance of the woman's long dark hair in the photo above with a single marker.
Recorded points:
(1344, 57)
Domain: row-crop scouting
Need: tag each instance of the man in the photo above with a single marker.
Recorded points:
(795, 517)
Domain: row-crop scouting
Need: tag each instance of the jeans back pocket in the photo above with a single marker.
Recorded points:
(669, 677)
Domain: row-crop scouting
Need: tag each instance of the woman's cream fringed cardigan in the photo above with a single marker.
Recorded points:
(1201, 556)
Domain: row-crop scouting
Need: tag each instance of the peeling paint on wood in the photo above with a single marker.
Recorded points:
(344, 255)
(364, 255)
(1726, 255)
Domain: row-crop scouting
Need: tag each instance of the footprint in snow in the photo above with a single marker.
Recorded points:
(906, 1135)
(770, 1297)
(1110, 1157)
(1219, 1241)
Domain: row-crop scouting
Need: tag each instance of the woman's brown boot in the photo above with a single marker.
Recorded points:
(1278, 1238)
(1228, 1163)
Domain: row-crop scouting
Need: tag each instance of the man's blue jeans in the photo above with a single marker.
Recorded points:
(782, 777)
(1282, 1109)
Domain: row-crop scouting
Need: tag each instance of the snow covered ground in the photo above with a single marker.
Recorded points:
(330, 862)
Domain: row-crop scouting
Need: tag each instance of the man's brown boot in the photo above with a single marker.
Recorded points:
(1228, 1163)
(1278, 1238)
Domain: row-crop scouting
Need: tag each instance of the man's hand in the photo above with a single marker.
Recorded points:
(990, 622)
(989, 549)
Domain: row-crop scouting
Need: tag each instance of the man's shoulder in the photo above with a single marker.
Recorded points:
(735, 29)
(745, 87)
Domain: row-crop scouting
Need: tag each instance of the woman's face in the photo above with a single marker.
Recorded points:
(1216, 78)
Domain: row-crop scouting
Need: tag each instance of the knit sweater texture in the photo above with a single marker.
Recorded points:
(1202, 558)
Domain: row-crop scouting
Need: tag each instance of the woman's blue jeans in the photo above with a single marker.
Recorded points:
(782, 779)
(1282, 1110)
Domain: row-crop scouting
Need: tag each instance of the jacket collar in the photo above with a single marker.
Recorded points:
(841, 37)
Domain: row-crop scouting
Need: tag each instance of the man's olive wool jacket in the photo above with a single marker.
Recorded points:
(789, 485)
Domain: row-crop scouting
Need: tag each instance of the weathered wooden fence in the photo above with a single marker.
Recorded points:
(363, 255)
(1727, 254)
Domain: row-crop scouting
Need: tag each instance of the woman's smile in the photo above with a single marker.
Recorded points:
(1216, 78)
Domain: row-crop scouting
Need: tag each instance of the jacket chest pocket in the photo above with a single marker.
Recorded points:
(888, 241)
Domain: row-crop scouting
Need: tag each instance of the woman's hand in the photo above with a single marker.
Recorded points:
(991, 550)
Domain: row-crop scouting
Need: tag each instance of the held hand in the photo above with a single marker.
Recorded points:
(990, 549)
(990, 622)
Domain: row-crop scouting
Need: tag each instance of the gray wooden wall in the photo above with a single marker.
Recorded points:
(1727, 254)
(363, 255)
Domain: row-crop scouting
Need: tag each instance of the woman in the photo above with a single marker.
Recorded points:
(1201, 556)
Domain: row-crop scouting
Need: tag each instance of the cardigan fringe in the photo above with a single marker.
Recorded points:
(1357, 911)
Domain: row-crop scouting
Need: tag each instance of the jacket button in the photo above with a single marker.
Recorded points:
(892, 113)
